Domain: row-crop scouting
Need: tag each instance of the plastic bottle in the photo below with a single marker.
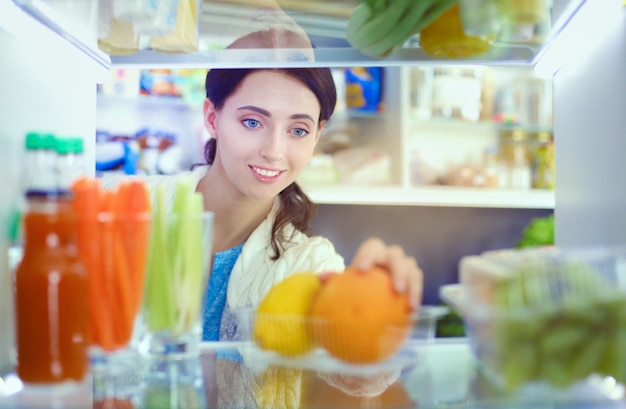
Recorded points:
(40, 162)
(69, 162)
(50, 291)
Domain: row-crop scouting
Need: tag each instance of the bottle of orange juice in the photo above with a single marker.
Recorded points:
(50, 293)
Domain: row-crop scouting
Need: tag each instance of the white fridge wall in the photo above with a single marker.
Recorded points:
(47, 87)
(590, 140)
(44, 87)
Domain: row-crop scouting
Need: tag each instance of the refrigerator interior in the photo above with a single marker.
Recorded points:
(51, 85)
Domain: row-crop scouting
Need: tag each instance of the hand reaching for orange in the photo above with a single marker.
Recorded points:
(407, 276)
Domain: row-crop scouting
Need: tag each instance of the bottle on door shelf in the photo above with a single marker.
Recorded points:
(69, 162)
(50, 289)
(40, 162)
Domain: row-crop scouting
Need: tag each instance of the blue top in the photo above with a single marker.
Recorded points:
(215, 298)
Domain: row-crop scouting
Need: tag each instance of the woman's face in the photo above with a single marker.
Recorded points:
(266, 133)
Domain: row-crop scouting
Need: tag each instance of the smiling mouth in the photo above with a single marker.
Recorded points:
(266, 172)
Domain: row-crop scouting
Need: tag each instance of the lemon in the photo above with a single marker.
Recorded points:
(280, 322)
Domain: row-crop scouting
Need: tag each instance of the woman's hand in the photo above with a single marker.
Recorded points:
(407, 276)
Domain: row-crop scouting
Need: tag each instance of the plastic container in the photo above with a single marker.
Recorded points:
(446, 38)
(545, 316)
(391, 345)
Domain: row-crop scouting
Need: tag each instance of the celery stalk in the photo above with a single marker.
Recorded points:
(187, 235)
(193, 263)
(159, 301)
(177, 261)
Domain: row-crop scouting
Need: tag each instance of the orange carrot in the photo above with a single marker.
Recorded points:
(86, 206)
(136, 234)
(110, 299)
(115, 255)
(123, 289)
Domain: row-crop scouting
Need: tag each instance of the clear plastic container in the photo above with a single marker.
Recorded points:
(545, 315)
(391, 344)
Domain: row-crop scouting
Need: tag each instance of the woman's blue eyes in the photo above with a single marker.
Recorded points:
(253, 123)
(250, 123)
(300, 132)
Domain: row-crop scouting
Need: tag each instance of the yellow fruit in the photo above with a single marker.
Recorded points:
(358, 317)
(445, 37)
(280, 322)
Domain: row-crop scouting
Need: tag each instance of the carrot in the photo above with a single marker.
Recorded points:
(123, 288)
(135, 234)
(111, 299)
(86, 205)
(114, 251)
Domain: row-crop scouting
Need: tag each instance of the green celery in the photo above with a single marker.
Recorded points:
(159, 302)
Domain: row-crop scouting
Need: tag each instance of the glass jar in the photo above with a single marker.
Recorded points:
(457, 93)
(515, 158)
(541, 155)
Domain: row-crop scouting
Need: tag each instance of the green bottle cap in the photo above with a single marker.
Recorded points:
(34, 140)
(63, 146)
(48, 141)
(77, 145)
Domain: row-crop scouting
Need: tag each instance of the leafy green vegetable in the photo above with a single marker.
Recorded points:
(378, 27)
(450, 325)
(539, 232)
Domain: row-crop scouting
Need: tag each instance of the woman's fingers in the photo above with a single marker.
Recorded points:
(406, 274)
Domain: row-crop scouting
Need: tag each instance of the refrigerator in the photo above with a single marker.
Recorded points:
(50, 66)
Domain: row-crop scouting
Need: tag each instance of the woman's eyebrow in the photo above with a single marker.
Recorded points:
(302, 116)
(267, 113)
(255, 109)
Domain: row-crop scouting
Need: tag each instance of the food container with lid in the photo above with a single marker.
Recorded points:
(545, 316)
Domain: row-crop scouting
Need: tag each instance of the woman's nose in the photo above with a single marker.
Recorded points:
(273, 147)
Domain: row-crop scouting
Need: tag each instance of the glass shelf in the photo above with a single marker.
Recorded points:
(220, 22)
(431, 196)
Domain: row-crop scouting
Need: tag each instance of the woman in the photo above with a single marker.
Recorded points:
(264, 125)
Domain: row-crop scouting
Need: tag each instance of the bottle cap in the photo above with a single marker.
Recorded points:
(34, 140)
(77, 145)
(64, 146)
(48, 141)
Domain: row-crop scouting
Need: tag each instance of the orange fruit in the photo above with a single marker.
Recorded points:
(358, 317)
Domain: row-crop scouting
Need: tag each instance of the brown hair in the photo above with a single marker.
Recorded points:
(295, 207)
